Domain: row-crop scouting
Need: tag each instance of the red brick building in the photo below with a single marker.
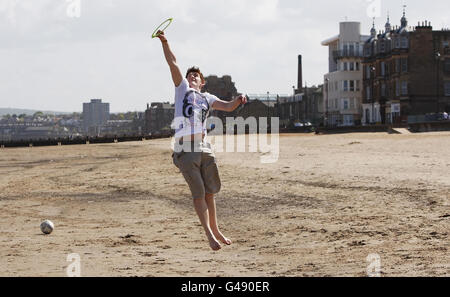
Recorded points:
(406, 73)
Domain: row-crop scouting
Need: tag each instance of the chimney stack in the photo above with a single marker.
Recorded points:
(300, 75)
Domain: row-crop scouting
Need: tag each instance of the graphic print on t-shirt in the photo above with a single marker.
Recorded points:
(191, 110)
(195, 107)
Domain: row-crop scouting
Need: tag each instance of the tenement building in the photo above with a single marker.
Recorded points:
(222, 87)
(159, 117)
(406, 73)
(304, 108)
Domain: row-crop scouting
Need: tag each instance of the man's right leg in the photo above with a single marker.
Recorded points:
(202, 211)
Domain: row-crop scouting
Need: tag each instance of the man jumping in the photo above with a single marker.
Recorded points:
(192, 153)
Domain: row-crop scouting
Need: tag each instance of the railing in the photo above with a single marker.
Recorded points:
(339, 54)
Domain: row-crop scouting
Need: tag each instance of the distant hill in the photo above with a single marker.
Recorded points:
(17, 111)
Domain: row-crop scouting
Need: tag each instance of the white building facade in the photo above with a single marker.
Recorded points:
(343, 84)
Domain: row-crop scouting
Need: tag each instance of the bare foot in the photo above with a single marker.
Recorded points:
(214, 244)
(222, 238)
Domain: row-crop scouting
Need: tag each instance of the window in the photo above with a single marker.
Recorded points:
(368, 93)
(345, 66)
(352, 86)
(404, 62)
(357, 85)
(404, 42)
(397, 88)
(397, 65)
(345, 85)
(348, 120)
(404, 88)
(352, 103)
(447, 66)
(352, 66)
(336, 86)
(352, 50)
(383, 90)
(447, 88)
(357, 66)
(397, 42)
(367, 51)
(345, 104)
(445, 43)
(368, 71)
(383, 69)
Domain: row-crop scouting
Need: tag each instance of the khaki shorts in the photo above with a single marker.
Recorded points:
(199, 169)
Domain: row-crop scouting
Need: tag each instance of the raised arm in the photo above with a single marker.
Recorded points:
(177, 77)
(229, 106)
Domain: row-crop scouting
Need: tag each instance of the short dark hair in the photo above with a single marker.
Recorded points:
(197, 70)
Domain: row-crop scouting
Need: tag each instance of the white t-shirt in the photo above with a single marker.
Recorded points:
(191, 110)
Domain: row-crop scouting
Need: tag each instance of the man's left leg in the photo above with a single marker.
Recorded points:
(211, 202)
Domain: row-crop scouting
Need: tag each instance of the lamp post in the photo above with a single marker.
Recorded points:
(438, 58)
(327, 80)
(268, 106)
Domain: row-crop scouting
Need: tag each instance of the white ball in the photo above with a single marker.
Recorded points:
(47, 227)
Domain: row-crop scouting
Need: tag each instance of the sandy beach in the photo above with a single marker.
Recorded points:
(328, 203)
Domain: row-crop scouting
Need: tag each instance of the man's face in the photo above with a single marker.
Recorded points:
(195, 80)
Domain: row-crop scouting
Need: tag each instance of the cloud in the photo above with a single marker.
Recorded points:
(264, 11)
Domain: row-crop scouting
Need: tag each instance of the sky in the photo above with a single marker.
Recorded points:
(57, 54)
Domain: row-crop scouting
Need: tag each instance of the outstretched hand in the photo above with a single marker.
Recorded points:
(160, 35)
(242, 99)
